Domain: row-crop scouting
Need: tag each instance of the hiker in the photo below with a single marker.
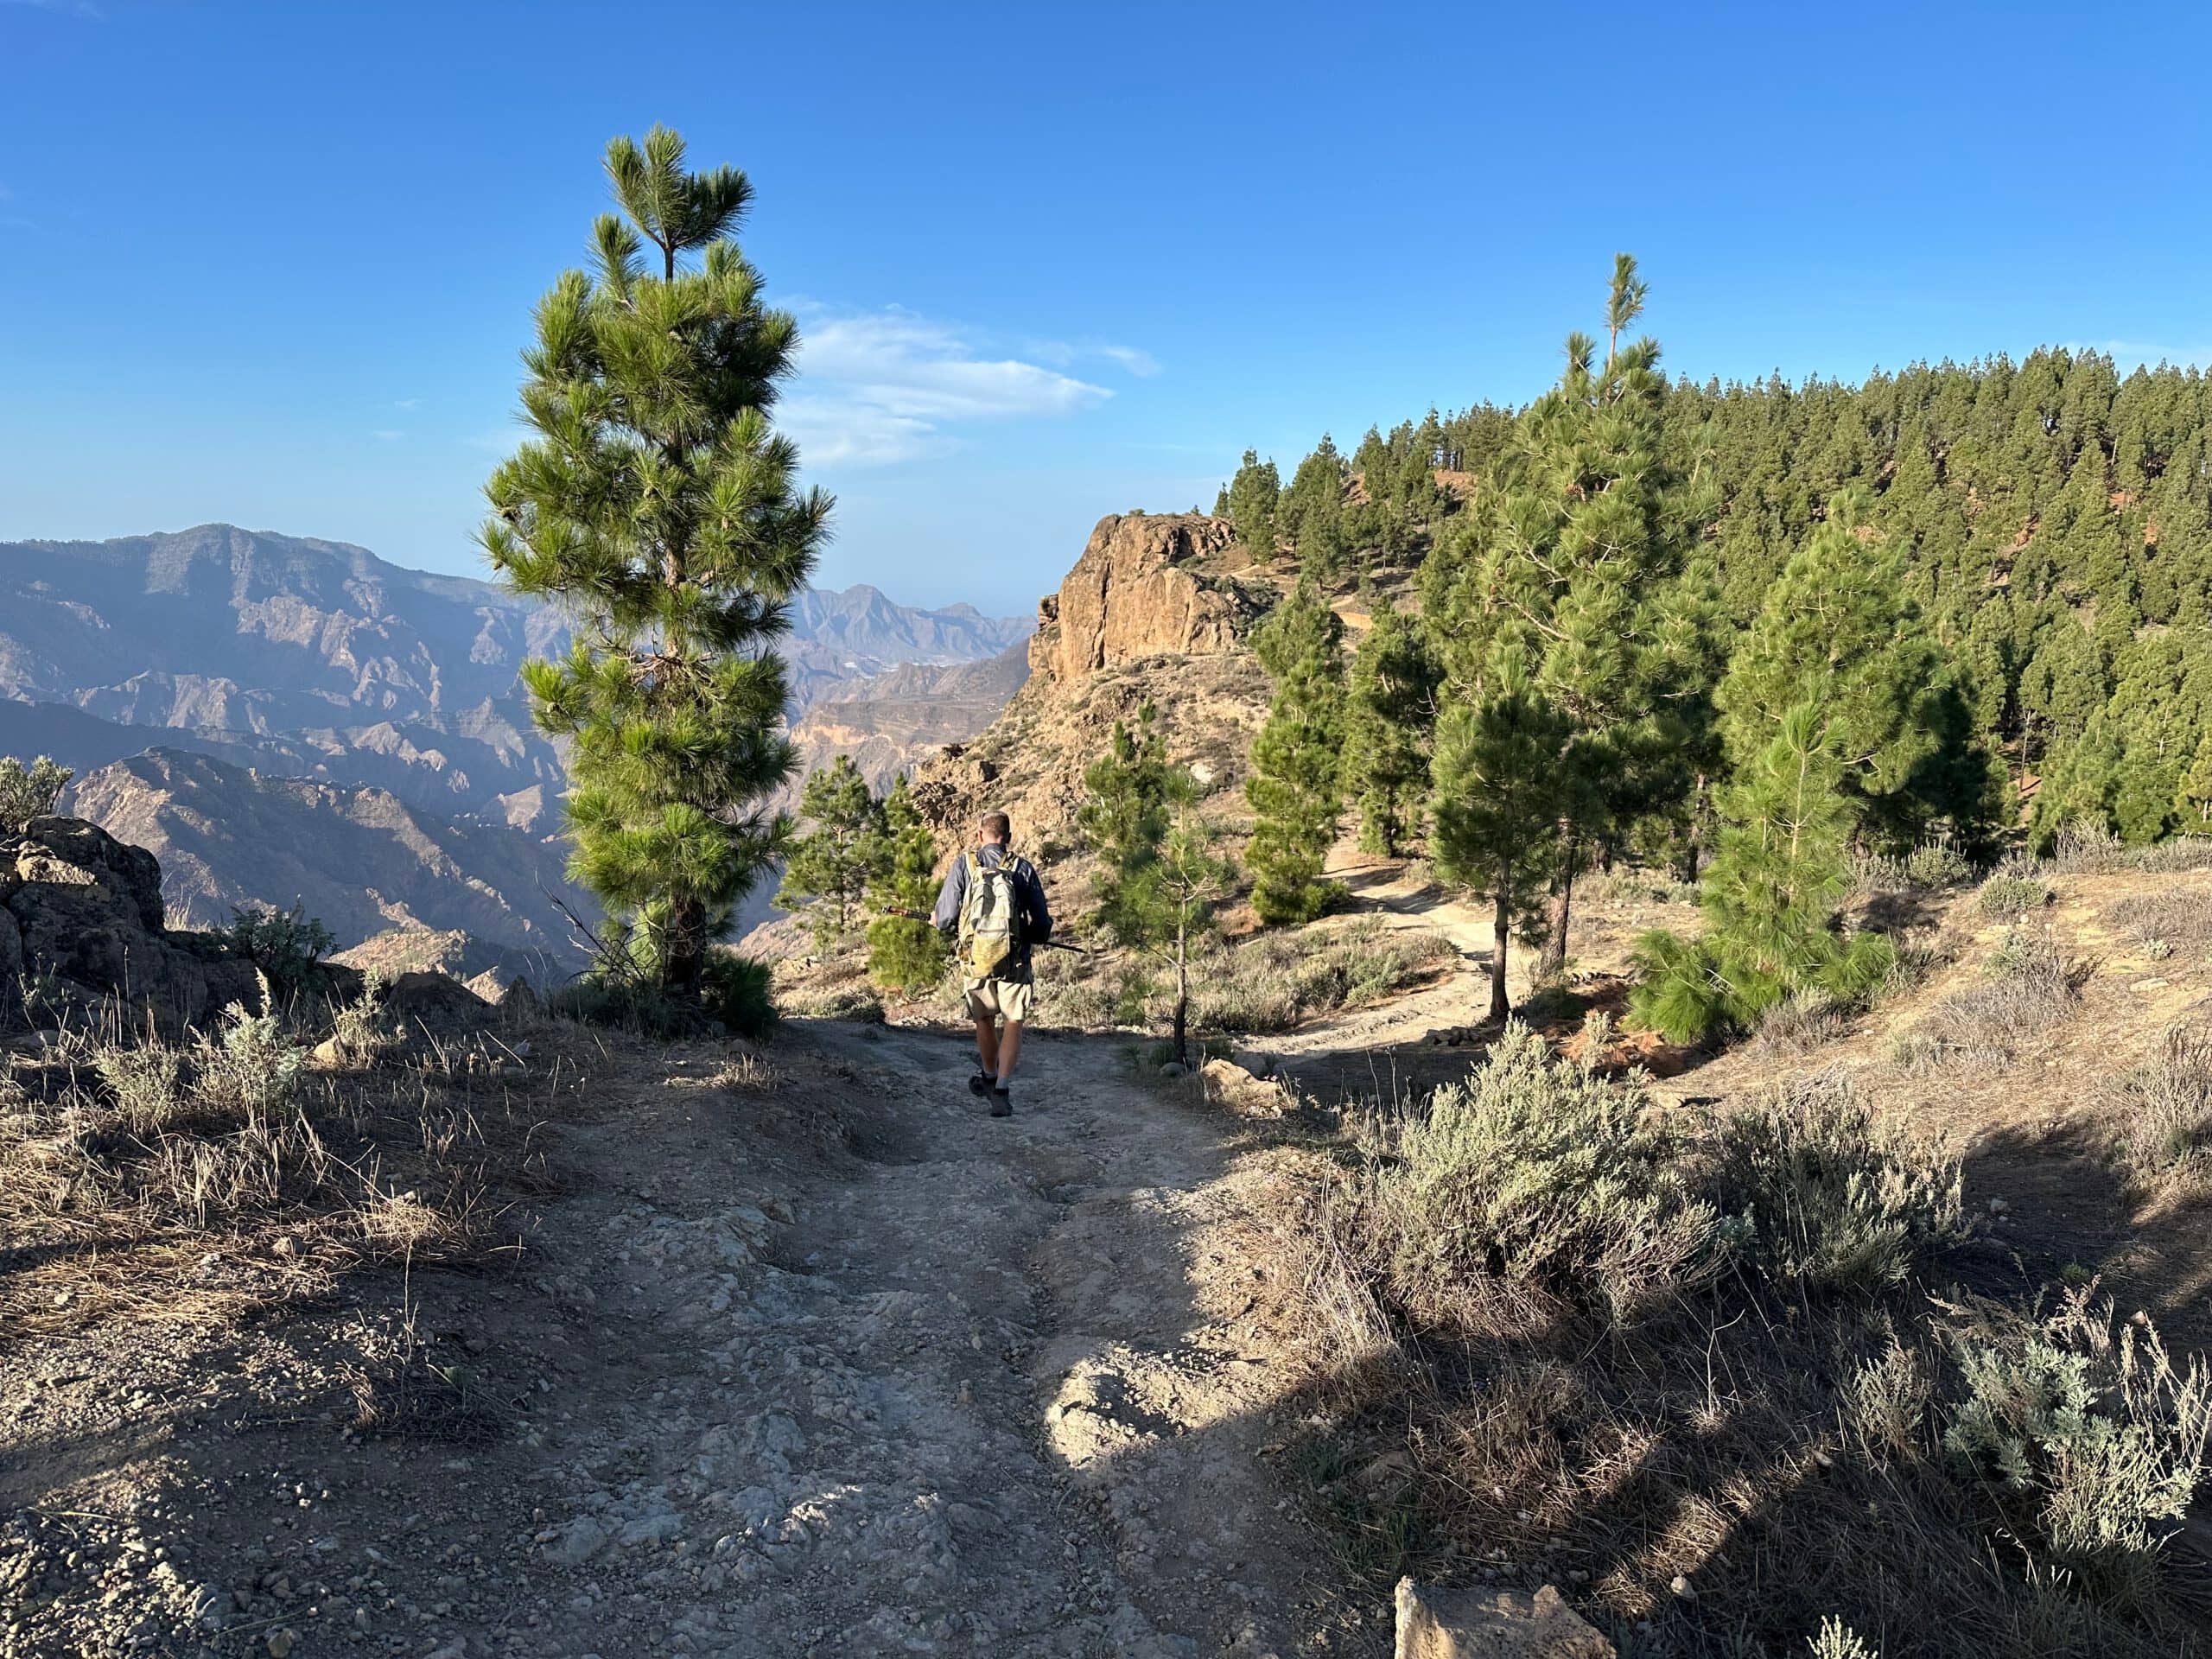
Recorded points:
(993, 902)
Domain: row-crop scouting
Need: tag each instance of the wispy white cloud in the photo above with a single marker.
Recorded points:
(1141, 364)
(878, 387)
(387, 434)
(408, 403)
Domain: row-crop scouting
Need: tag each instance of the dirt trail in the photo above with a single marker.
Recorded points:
(1386, 1048)
(994, 1387)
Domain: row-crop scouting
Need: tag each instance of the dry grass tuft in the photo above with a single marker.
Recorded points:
(2031, 987)
(2165, 1108)
(195, 1178)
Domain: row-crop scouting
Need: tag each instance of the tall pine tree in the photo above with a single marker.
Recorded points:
(904, 953)
(1130, 794)
(1253, 494)
(1497, 803)
(1568, 567)
(1390, 713)
(1297, 790)
(656, 506)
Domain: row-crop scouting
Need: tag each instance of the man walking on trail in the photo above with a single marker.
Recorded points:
(994, 904)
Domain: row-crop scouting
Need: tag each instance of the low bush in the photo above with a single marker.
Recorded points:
(1826, 1194)
(739, 991)
(1539, 1173)
(2164, 1109)
(2031, 987)
(2018, 888)
(2169, 918)
(1283, 978)
(1929, 868)
(1581, 1328)
(285, 944)
(2088, 1438)
(1626, 885)
(1798, 1025)
(28, 792)
(2088, 848)
(735, 995)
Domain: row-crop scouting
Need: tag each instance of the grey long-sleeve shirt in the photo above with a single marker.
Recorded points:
(1036, 917)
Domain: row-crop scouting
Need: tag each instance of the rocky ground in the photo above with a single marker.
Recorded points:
(815, 1359)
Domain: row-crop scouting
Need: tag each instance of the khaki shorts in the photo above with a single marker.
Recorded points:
(988, 998)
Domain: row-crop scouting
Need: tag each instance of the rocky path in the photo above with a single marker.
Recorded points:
(994, 1388)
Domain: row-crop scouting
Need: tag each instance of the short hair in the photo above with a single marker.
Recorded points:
(997, 826)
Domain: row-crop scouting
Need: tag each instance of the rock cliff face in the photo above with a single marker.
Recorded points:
(1154, 612)
(1147, 586)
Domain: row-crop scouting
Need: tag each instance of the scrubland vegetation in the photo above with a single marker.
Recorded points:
(1742, 1373)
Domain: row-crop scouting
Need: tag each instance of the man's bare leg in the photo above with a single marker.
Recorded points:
(986, 1043)
(1009, 1045)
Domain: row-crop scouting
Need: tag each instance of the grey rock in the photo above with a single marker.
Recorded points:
(1252, 1061)
(663, 1527)
(580, 1539)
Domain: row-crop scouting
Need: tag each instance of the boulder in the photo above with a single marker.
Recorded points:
(1259, 1064)
(1230, 1085)
(438, 1001)
(1493, 1625)
(84, 916)
(81, 850)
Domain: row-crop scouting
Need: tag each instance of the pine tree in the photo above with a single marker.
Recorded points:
(1253, 494)
(1839, 630)
(1390, 713)
(2193, 800)
(904, 953)
(656, 506)
(1771, 897)
(1296, 790)
(1567, 568)
(1166, 905)
(1130, 793)
(842, 851)
(1496, 801)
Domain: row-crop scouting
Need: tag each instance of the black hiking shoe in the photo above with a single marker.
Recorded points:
(980, 1084)
(1001, 1102)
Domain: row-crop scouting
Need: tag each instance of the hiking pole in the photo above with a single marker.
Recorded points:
(1041, 944)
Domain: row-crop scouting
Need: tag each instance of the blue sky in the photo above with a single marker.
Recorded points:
(273, 263)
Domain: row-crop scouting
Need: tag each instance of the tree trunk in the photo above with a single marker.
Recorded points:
(1182, 1001)
(1686, 871)
(683, 947)
(1500, 923)
(1553, 962)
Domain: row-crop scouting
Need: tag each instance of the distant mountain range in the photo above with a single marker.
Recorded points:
(197, 679)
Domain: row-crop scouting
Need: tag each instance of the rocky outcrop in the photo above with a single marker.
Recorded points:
(81, 925)
(1147, 585)
(1493, 1625)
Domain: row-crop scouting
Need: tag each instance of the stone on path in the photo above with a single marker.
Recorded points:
(1493, 1625)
